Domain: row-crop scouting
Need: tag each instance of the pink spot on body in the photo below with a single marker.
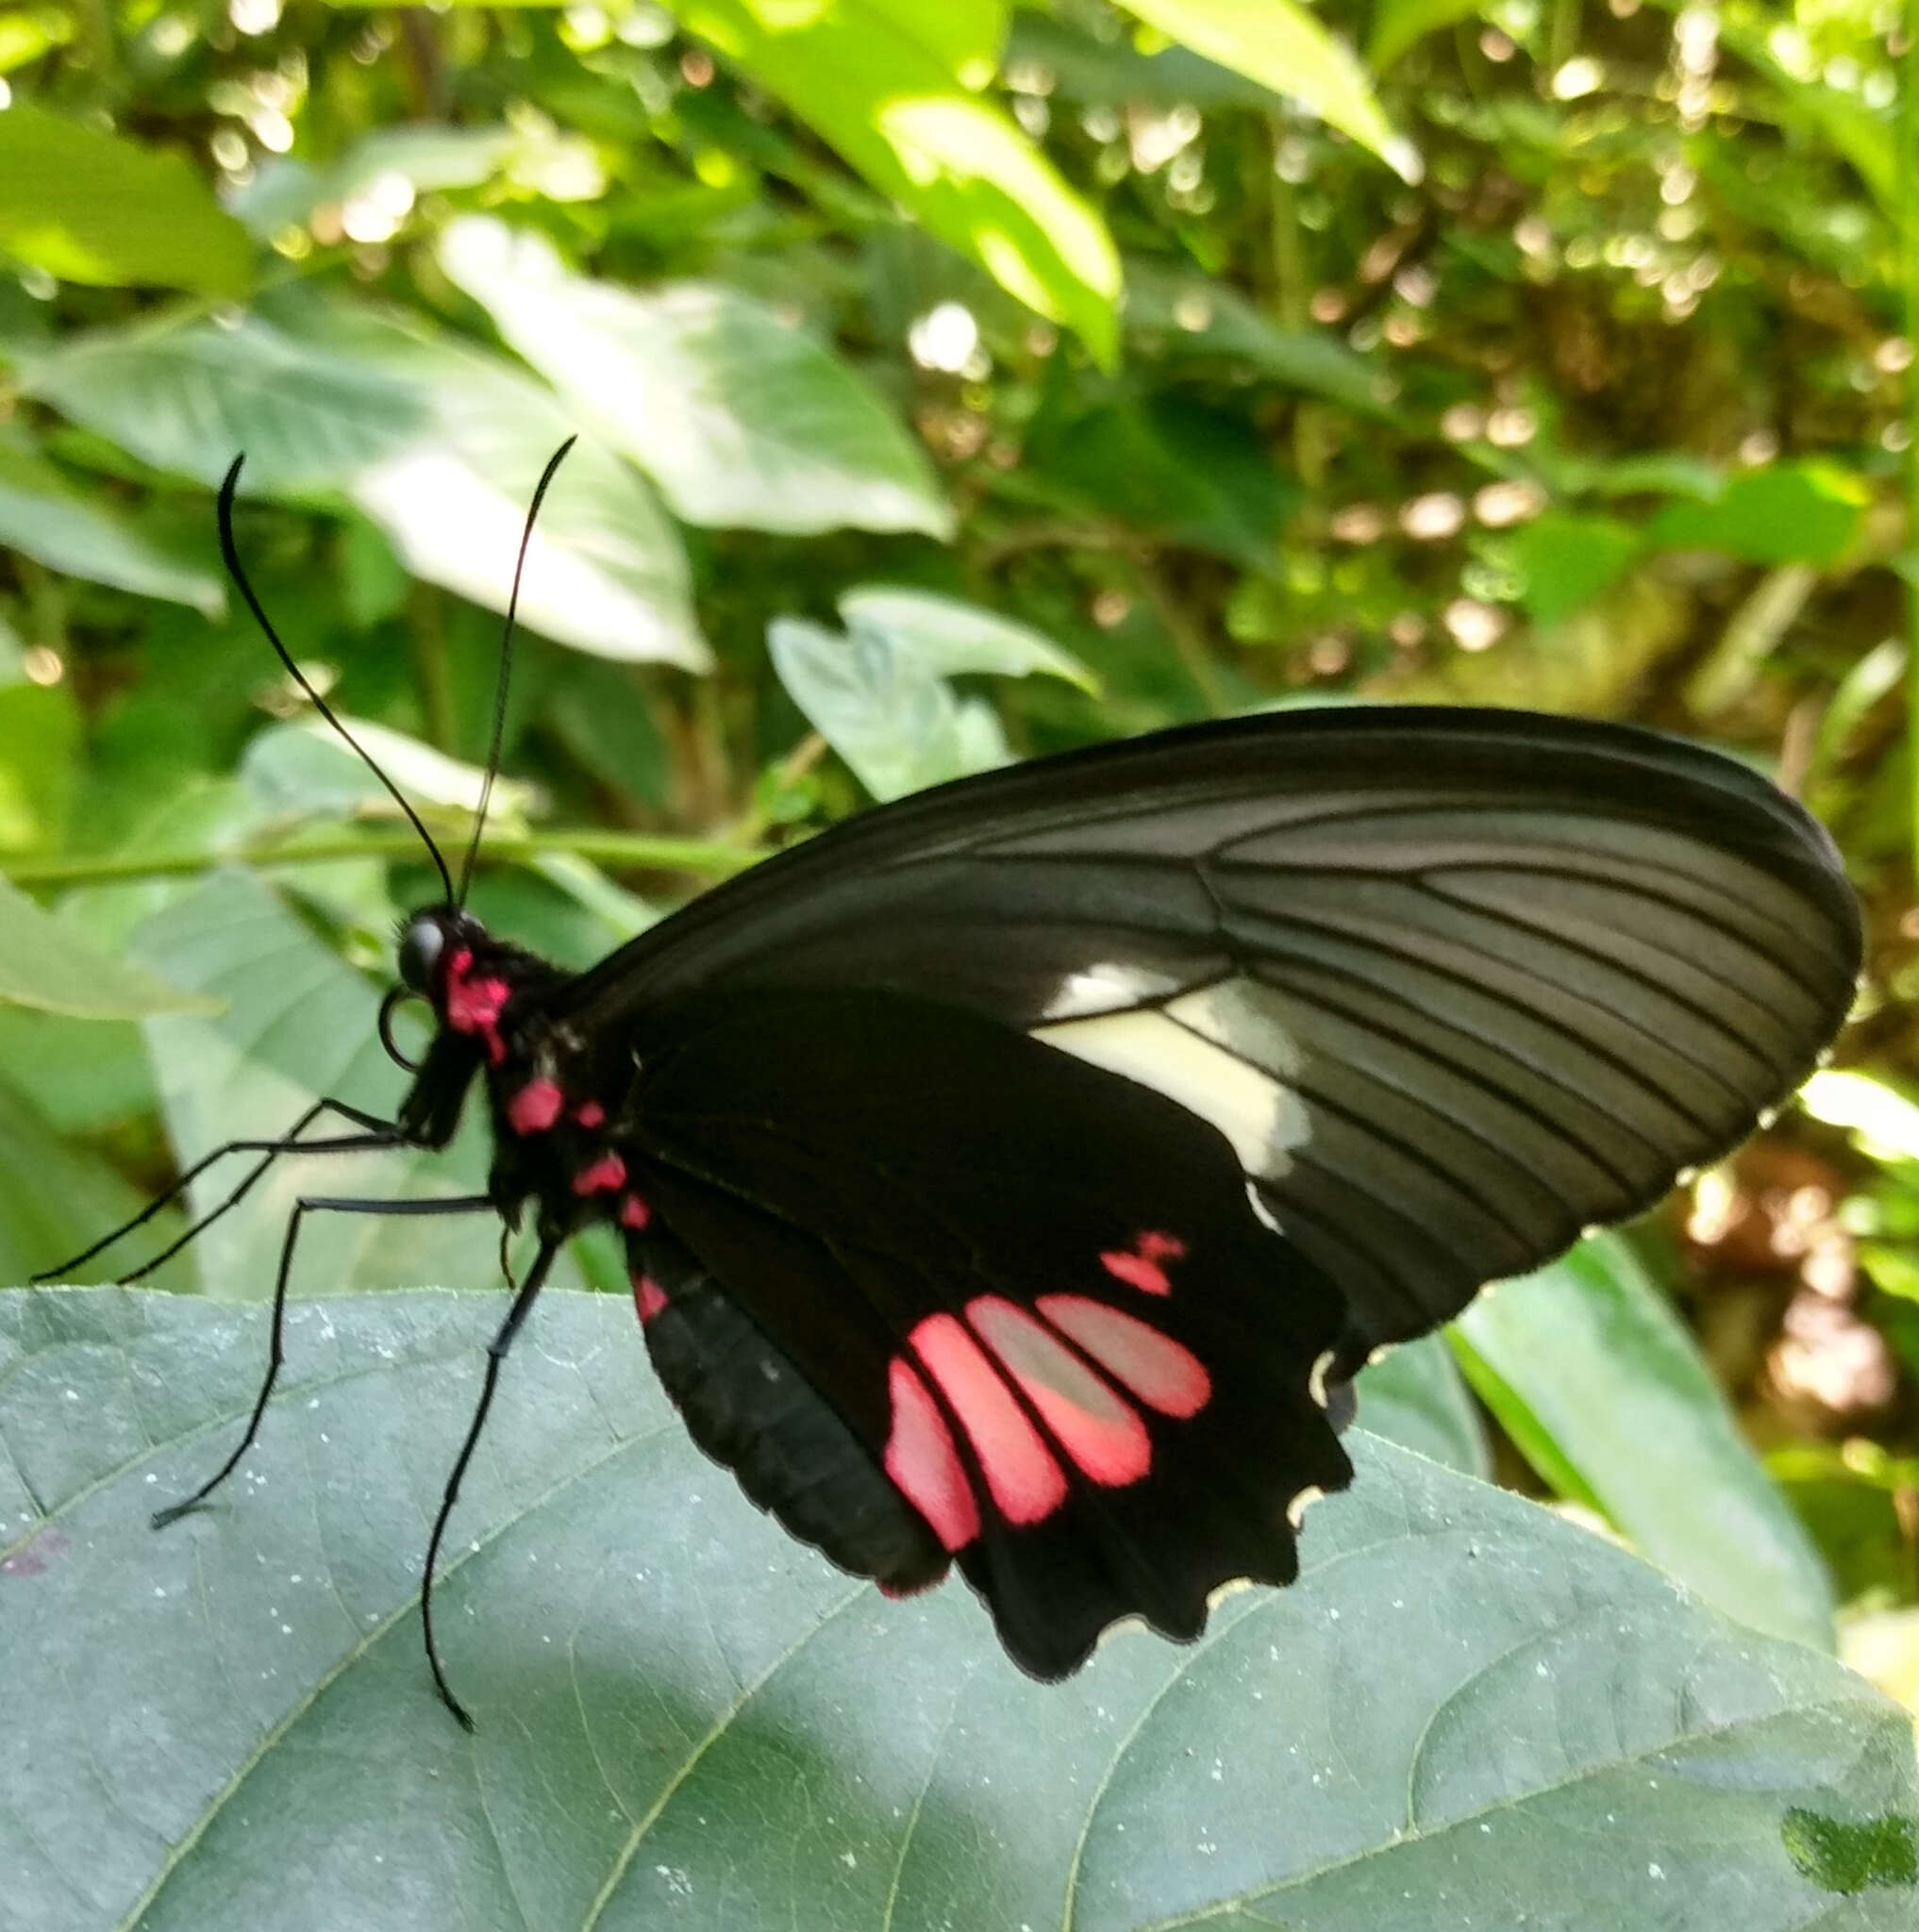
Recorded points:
(589, 1113)
(1027, 1483)
(923, 1462)
(535, 1108)
(475, 1006)
(1163, 1373)
(634, 1212)
(602, 1176)
(648, 1296)
(1104, 1434)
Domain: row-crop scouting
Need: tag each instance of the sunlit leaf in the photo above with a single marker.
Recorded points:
(1283, 46)
(91, 206)
(1595, 1378)
(955, 639)
(743, 418)
(1401, 24)
(438, 443)
(87, 536)
(879, 83)
(686, 1718)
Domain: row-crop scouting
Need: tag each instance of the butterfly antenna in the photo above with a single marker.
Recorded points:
(479, 820)
(231, 554)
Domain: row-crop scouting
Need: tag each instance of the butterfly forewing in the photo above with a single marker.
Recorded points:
(1034, 1295)
(1452, 984)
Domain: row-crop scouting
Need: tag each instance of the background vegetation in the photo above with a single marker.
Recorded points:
(958, 381)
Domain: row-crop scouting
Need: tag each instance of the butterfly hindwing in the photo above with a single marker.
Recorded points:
(1033, 1296)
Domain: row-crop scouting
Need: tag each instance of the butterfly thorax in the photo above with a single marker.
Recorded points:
(551, 1118)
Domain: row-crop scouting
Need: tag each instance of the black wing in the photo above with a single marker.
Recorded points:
(1454, 983)
(936, 1293)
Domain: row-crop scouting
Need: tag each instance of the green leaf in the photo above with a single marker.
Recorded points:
(1398, 26)
(303, 766)
(1190, 314)
(44, 516)
(954, 640)
(1603, 1389)
(896, 723)
(879, 696)
(887, 87)
(47, 965)
(1282, 45)
(687, 1718)
(1568, 561)
(1786, 513)
(90, 207)
(743, 418)
(1413, 1396)
(437, 442)
(298, 1024)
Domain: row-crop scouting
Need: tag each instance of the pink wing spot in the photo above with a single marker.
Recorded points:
(922, 1463)
(634, 1212)
(1161, 1247)
(589, 1113)
(648, 1296)
(1136, 1271)
(1027, 1483)
(604, 1176)
(474, 1006)
(1104, 1434)
(1163, 1373)
(535, 1108)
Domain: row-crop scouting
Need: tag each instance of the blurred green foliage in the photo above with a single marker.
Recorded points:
(1557, 356)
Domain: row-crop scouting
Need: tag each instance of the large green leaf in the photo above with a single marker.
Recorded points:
(91, 206)
(887, 84)
(44, 516)
(1467, 1711)
(46, 964)
(1600, 1384)
(743, 419)
(1785, 514)
(438, 443)
(1282, 45)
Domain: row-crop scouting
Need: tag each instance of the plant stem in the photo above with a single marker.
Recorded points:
(630, 851)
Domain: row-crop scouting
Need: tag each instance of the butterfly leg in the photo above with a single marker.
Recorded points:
(458, 1204)
(378, 1133)
(524, 1299)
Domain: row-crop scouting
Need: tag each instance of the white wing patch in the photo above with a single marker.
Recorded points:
(1263, 1116)
(1107, 987)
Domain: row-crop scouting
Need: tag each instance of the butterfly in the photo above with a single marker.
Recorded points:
(1014, 1177)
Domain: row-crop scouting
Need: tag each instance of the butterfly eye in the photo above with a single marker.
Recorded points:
(420, 945)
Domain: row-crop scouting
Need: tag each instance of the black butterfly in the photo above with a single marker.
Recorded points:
(1018, 1175)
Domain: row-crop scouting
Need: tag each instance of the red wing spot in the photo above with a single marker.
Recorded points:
(634, 1212)
(1027, 1483)
(604, 1176)
(1163, 1373)
(1103, 1434)
(648, 1296)
(589, 1113)
(535, 1108)
(1161, 1247)
(923, 1464)
(1136, 1271)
